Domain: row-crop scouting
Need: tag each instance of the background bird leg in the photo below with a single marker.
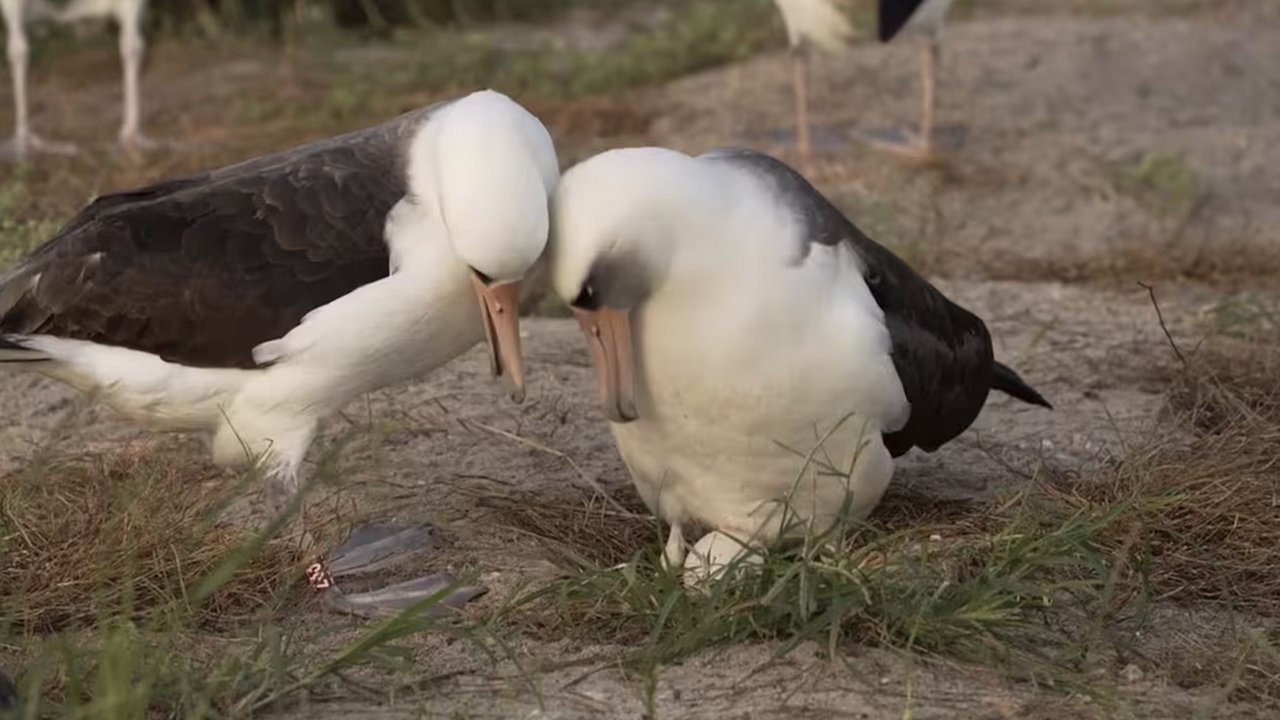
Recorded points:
(930, 55)
(132, 47)
(24, 141)
(675, 550)
(800, 71)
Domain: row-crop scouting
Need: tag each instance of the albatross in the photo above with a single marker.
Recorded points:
(739, 324)
(126, 13)
(250, 302)
(829, 25)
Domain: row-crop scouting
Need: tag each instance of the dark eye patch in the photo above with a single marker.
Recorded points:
(588, 298)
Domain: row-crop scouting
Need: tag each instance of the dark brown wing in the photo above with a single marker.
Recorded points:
(201, 270)
(941, 351)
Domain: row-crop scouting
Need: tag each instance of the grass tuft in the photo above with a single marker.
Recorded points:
(1045, 584)
(991, 585)
(18, 235)
(1214, 538)
(125, 534)
(1165, 183)
(585, 531)
(124, 594)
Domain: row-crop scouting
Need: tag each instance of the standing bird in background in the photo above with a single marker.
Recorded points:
(16, 14)
(252, 301)
(828, 24)
(759, 357)
(924, 19)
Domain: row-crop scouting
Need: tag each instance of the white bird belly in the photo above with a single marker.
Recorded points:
(930, 18)
(743, 406)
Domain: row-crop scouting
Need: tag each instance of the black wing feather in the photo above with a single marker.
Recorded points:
(941, 351)
(893, 15)
(201, 270)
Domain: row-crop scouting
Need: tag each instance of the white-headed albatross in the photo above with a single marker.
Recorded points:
(736, 318)
(128, 16)
(829, 25)
(250, 302)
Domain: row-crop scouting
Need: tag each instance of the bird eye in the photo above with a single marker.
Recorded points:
(587, 298)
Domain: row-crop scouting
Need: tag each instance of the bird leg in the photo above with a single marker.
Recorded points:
(372, 548)
(712, 555)
(800, 73)
(929, 85)
(132, 47)
(24, 142)
(369, 549)
(920, 145)
(674, 553)
(281, 490)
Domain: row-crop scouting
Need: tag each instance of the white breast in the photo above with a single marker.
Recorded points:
(742, 373)
(821, 22)
(929, 18)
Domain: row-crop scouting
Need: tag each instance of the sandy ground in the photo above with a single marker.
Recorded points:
(436, 457)
(1025, 209)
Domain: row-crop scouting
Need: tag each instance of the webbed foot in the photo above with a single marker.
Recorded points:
(713, 555)
(374, 548)
(26, 146)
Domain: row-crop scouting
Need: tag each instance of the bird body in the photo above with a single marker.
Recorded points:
(762, 360)
(925, 18)
(831, 24)
(828, 24)
(252, 301)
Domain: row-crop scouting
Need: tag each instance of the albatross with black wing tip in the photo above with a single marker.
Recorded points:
(925, 20)
(829, 25)
(736, 319)
(251, 302)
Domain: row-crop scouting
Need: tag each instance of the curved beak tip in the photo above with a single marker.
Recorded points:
(608, 334)
(499, 305)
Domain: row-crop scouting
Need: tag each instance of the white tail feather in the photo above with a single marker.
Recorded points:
(137, 384)
(20, 355)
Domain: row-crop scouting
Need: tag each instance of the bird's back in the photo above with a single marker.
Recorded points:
(942, 352)
(200, 270)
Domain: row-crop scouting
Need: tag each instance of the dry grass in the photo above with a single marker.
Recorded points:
(127, 532)
(1054, 578)
(585, 530)
(1214, 528)
(123, 596)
